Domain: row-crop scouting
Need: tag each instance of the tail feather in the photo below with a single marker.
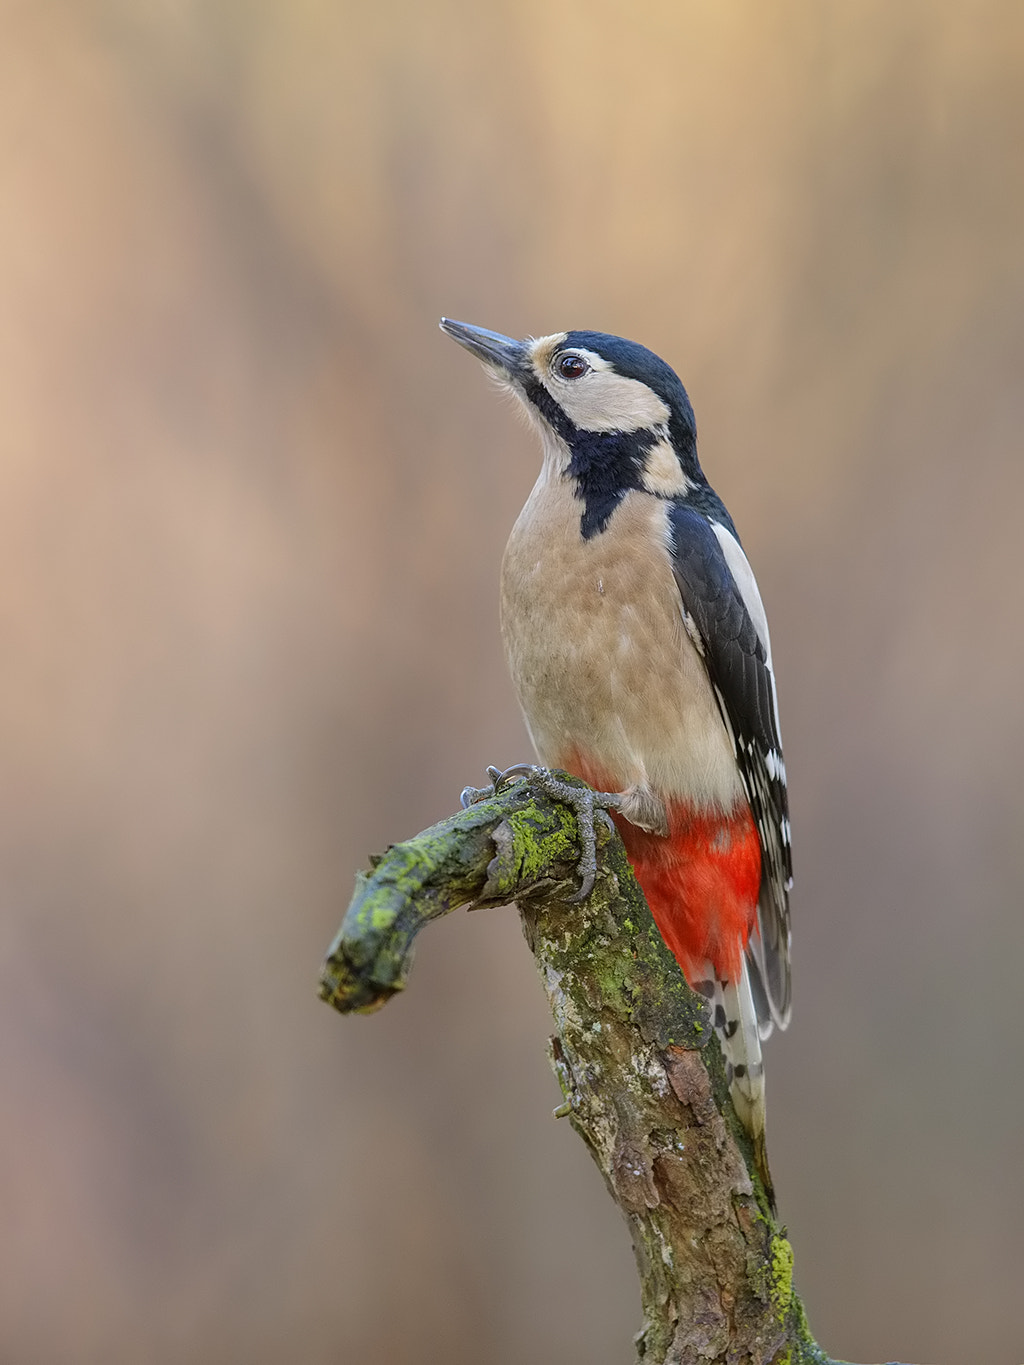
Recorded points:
(738, 1027)
(768, 958)
(762, 1004)
(741, 1044)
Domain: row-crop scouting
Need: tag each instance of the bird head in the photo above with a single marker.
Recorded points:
(611, 413)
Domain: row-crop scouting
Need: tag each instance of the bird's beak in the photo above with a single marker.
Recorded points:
(500, 352)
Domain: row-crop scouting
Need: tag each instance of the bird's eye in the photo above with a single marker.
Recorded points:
(572, 366)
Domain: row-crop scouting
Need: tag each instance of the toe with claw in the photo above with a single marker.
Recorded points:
(471, 795)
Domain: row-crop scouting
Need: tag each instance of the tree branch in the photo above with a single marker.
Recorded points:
(639, 1065)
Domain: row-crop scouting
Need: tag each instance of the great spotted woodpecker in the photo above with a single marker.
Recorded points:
(639, 649)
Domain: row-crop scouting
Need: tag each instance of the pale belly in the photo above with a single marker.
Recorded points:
(600, 658)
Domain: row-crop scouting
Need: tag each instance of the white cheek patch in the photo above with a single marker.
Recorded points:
(605, 401)
(743, 576)
(663, 474)
(601, 400)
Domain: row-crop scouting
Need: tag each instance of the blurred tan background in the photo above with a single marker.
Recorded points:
(253, 505)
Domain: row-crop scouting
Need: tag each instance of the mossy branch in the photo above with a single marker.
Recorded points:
(638, 1063)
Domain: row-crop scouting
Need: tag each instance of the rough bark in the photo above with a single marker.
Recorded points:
(638, 1063)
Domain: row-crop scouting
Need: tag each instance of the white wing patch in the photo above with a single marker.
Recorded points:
(743, 576)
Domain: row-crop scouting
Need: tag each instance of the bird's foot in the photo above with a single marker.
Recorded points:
(587, 805)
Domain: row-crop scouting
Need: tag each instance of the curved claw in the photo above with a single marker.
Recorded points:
(469, 796)
(586, 823)
(524, 770)
(583, 808)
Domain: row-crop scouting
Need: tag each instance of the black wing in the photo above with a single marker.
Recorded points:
(721, 625)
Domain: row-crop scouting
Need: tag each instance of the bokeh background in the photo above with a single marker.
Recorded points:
(253, 505)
